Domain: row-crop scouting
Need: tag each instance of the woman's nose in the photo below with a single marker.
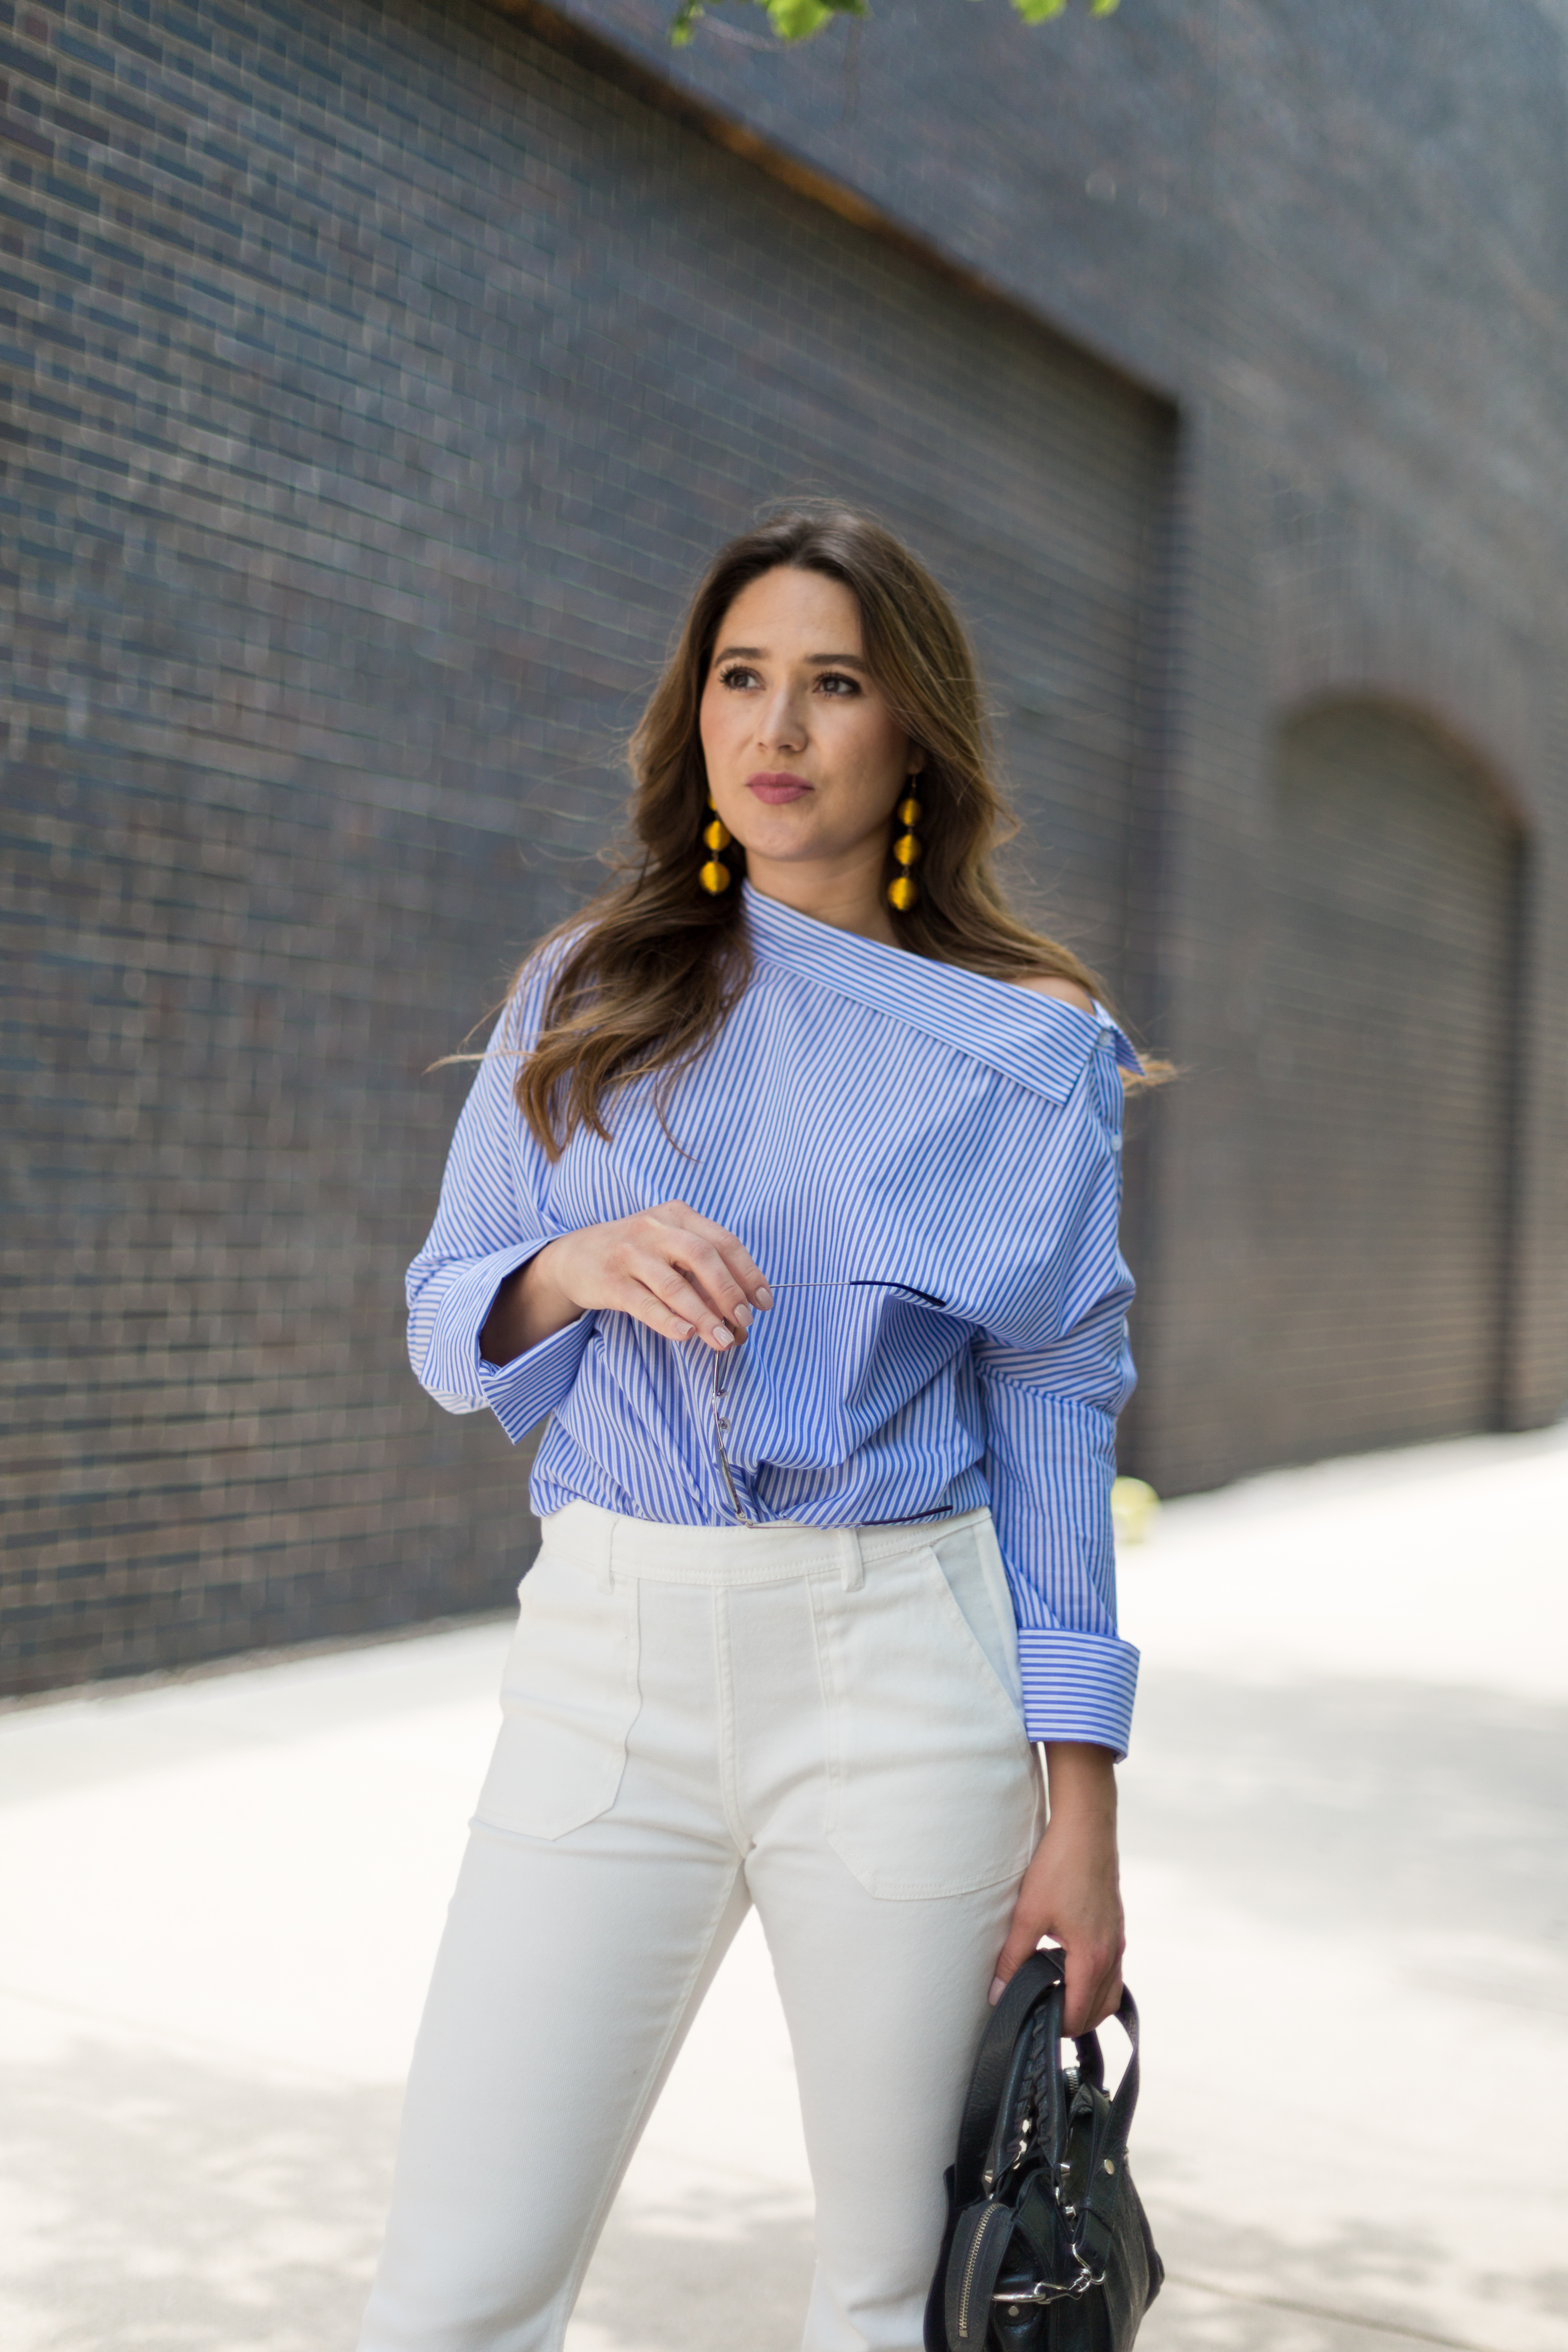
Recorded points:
(783, 727)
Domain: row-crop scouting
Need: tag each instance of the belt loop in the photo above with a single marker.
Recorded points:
(605, 1566)
(854, 1567)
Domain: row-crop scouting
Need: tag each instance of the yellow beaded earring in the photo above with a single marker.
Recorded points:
(714, 874)
(903, 890)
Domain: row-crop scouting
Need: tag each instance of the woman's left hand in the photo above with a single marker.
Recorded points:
(1071, 1890)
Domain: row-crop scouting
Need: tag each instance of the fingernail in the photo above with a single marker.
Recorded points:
(998, 1987)
(683, 1330)
(764, 1295)
(743, 1316)
(722, 1335)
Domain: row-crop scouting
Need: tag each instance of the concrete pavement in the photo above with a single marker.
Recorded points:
(1347, 1876)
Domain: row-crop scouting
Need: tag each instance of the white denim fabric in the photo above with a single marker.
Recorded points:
(823, 1722)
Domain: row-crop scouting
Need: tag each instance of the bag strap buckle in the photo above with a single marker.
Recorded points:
(1044, 2292)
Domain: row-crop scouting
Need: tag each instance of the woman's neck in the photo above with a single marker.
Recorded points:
(844, 894)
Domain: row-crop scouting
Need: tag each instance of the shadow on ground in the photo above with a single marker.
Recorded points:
(1251, 2290)
(725, 2275)
(184, 2202)
(1418, 1810)
(163, 2202)
(1361, 2003)
(182, 2207)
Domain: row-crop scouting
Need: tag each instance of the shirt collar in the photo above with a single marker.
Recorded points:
(1039, 1040)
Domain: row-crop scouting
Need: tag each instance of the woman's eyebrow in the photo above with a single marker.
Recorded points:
(759, 653)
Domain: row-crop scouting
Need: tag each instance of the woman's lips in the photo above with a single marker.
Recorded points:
(775, 787)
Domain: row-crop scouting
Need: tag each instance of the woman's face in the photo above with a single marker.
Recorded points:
(806, 761)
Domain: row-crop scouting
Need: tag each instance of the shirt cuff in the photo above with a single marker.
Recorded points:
(1077, 1685)
(527, 1391)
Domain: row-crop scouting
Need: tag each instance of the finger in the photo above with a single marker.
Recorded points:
(667, 1287)
(1090, 1975)
(668, 1237)
(739, 1262)
(706, 1269)
(1110, 2000)
(1022, 1939)
(1104, 2005)
(635, 1299)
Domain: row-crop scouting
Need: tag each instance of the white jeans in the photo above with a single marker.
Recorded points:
(823, 1722)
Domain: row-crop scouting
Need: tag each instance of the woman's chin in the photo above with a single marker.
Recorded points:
(780, 845)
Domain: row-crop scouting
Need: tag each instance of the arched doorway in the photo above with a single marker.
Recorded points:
(1385, 1082)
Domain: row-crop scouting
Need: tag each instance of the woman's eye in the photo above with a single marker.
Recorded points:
(834, 681)
(737, 674)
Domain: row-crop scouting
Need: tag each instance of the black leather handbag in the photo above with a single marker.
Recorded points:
(1046, 2247)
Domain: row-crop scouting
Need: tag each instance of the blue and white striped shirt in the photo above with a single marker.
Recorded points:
(925, 1163)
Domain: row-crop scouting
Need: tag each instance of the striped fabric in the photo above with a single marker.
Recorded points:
(925, 1164)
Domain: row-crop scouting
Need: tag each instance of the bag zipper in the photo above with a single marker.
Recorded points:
(976, 2243)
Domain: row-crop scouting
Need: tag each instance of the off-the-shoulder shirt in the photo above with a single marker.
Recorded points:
(925, 1163)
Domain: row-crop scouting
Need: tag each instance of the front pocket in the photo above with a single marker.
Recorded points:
(569, 1698)
(933, 1787)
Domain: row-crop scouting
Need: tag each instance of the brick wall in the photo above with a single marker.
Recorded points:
(1338, 237)
(377, 377)
(381, 377)
(1392, 930)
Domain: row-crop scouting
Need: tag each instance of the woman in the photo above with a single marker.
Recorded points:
(787, 1189)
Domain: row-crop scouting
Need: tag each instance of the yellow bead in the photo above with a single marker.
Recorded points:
(909, 812)
(714, 877)
(902, 892)
(906, 850)
(716, 834)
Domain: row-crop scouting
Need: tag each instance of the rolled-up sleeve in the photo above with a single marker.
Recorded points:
(490, 1220)
(1050, 1407)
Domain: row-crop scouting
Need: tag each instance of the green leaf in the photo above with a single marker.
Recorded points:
(797, 20)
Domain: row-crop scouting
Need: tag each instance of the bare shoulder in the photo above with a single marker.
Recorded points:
(1065, 992)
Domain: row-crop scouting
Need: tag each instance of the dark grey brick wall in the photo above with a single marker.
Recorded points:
(374, 379)
(1384, 1109)
(380, 378)
(1337, 236)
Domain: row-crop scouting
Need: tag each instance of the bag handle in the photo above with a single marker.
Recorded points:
(1039, 1983)
(1124, 2105)
(1035, 1980)
(1109, 2123)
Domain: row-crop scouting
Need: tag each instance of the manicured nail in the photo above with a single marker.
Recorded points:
(998, 1987)
(684, 1331)
(722, 1335)
(743, 1316)
(764, 1296)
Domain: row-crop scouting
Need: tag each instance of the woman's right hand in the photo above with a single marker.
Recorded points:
(680, 1274)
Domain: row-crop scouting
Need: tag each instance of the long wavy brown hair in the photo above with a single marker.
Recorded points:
(653, 966)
